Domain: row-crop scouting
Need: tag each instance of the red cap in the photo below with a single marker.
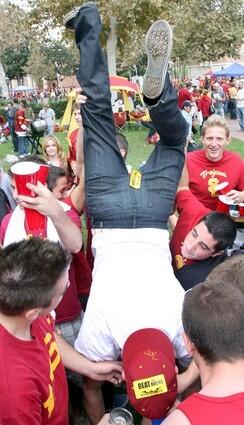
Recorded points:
(149, 366)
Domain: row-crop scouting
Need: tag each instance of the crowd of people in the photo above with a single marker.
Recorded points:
(197, 102)
(120, 312)
(23, 101)
(38, 96)
(20, 120)
(221, 97)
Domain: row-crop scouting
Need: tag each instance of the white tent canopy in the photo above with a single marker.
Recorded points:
(22, 88)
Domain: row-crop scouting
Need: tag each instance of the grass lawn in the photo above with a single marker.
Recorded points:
(139, 149)
(237, 146)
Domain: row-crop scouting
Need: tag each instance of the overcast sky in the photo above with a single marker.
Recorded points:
(21, 3)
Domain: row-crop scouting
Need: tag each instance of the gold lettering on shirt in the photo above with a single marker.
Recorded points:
(47, 338)
(53, 350)
(213, 181)
(212, 173)
(49, 403)
(212, 186)
(54, 361)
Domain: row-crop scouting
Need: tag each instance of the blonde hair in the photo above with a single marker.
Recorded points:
(45, 103)
(216, 121)
(60, 153)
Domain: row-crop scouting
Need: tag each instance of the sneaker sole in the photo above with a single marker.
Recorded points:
(158, 45)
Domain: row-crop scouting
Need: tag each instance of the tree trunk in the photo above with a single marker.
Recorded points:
(111, 46)
(3, 84)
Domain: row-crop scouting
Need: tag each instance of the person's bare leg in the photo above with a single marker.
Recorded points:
(93, 400)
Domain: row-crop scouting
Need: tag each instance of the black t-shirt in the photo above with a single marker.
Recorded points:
(192, 274)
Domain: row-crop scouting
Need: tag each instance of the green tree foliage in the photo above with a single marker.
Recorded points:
(29, 49)
(51, 59)
(14, 40)
(206, 30)
(38, 65)
(12, 25)
(124, 23)
(63, 56)
(14, 60)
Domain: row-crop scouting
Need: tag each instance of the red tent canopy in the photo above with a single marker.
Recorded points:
(121, 83)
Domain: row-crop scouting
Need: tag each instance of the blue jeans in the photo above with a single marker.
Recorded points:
(232, 107)
(219, 111)
(23, 144)
(111, 201)
(240, 116)
(13, 135)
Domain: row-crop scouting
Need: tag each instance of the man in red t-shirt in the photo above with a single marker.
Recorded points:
(184, 94)
(200, 236)
(214, 165)
(67, 229)
(21, 129)
(33, 389)
(204, 105)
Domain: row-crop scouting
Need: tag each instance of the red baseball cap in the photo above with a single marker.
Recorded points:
(149, 367)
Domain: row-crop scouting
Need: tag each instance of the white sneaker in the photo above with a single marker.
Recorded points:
(158, 45)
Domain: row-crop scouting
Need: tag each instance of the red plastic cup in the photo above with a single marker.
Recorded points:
(27, 172)
(223, 189)
(241, 209)
(42, 173)
(222, 206)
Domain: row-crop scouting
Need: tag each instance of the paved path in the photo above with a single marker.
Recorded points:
(234, 129)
